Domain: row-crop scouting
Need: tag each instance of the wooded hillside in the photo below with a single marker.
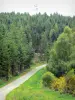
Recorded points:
(22, 35)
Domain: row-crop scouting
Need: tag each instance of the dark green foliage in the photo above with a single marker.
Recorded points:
(62, 54)
(22, 35)
(15, 48)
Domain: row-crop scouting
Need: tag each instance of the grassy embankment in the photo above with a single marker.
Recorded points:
(4, 82)
(33, 89)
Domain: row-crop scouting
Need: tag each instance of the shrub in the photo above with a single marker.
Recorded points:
(70, 87)
(48, 78)
(58, 67)
(70, 73)
(71, 64)
(59, 84)
(61, 68)
(74, 93)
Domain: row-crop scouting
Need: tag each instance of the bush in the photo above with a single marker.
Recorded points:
(70, 87)
(61, 68)
(58, 67)
(65, 84)
(59, 84)
(48, 78)
(71, 64)
(74, 93)
(70, 73)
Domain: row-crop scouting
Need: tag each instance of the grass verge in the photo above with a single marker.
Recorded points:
(4, 82)
(33, 89)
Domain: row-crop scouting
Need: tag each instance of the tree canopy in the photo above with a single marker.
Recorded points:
(22, 35)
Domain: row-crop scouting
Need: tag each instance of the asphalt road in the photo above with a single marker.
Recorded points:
(6, 89)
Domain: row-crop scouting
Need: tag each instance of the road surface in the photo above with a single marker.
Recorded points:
(6, 89)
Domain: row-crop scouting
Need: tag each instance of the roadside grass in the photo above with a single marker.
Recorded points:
(33, 89)
(4, 82)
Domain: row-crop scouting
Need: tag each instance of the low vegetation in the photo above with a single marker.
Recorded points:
(4, 82)
(63, 84)
(48, 78)
(33, 89)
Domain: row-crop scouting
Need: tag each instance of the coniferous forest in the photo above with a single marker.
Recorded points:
(23, 35)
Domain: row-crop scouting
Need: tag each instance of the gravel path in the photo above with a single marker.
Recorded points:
(6, 89)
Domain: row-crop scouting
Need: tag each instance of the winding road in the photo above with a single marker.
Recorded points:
(6, 89)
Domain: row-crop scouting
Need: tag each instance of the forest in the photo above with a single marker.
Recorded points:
(52, 37)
